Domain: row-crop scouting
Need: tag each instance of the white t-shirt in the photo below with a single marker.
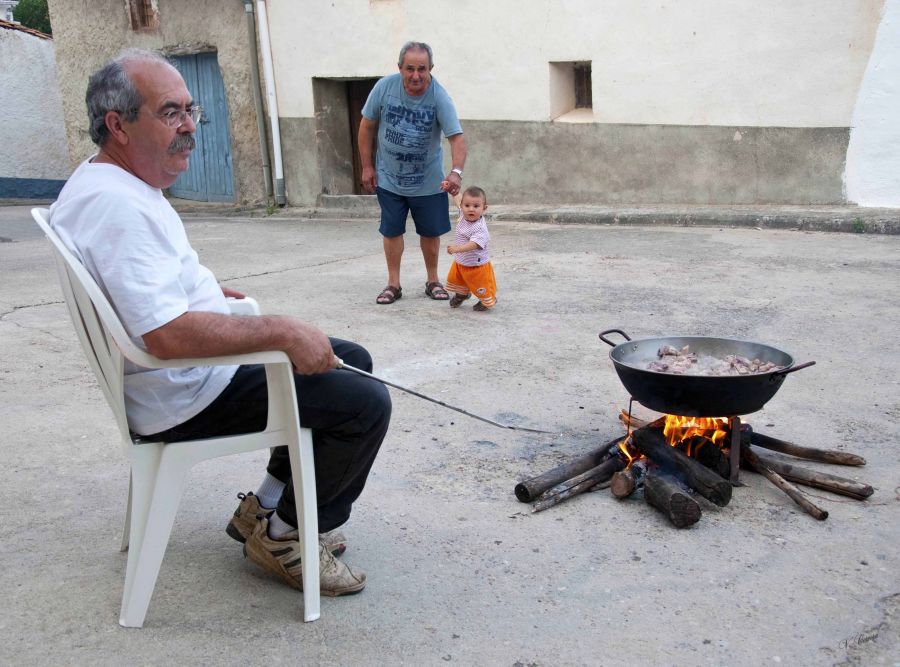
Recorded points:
(133, 243)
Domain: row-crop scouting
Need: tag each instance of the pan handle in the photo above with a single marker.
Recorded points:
(609, 331)
(795, 368)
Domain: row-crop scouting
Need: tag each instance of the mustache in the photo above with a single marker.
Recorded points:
(182, 142)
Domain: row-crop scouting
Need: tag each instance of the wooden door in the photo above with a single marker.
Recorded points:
(209, 177)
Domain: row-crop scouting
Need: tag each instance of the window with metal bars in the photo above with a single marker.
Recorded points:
(582, 72)
(144, 14)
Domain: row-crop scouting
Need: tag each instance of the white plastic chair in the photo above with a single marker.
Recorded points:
(158, 469)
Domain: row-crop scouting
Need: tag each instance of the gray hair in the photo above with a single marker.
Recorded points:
(416, 46)
(111, 89)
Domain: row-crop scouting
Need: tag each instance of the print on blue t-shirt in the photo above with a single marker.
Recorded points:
(409, 159)
(408, 139)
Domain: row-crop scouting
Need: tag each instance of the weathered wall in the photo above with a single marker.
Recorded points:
(673, 85)
(873, 156)
(88, 34)
(303, 181)
(649, 164)
(694, 62)
(34, 158)
(333, 147)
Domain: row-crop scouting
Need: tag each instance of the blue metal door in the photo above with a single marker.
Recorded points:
(209, 177)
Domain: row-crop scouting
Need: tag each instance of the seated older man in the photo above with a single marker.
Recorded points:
(112, 214)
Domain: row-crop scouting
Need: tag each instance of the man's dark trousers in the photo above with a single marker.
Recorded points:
(348, 415)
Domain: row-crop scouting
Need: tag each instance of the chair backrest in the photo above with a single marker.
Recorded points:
(100, 332)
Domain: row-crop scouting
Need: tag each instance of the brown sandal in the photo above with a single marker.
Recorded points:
(436, 291)
(388, 295)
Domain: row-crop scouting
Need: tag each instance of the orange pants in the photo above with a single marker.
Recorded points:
(477, 280)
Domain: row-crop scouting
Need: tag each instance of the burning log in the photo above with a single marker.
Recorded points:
(808, 453)
(624, 482)
(581, 483)
(792, 491)
(530, 489)
(704, 481)
(819, 480)
(708, 454)
(664, 493)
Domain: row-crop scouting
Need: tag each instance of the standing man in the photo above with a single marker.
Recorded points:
(113, 216)
(407, 112)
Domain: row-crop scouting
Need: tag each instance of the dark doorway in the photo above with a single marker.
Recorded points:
(357, 94)
(338, 107)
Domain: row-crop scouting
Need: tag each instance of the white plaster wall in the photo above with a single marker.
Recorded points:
(683, 62)
(32, 133)
(872, 176)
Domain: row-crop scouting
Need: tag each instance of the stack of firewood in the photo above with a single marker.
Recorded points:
(671, 480)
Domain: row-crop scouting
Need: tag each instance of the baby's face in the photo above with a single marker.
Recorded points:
(473, 207)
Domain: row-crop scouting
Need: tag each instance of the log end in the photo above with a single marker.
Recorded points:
(523, 495)
(684, 511)
(622, 484)
(721, 494)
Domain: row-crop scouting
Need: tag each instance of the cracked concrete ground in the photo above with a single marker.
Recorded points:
(459, 571)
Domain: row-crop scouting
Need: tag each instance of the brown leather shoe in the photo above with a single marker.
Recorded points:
(457, 300)
(244, 521)
(282, 557)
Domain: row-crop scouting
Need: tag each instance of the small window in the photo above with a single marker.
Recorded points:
(582, 85)
(144, 15)
(571, 99)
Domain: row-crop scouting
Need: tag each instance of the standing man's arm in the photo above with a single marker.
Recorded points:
(368, 133)
(457, 160)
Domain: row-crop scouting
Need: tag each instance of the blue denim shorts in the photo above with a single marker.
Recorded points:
(430, 213)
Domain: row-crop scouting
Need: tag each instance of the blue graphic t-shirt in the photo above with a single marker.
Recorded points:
(409, 160)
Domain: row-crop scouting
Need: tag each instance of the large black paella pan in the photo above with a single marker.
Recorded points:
(698, 395)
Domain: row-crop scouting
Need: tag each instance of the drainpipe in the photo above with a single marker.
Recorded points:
(270, 96)
(257, 97)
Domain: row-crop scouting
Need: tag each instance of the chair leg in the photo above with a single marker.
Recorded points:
(127, 528)
(147, 549)
(144, 467)
(304, 479)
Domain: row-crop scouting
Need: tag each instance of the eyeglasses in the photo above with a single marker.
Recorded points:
(175, 118)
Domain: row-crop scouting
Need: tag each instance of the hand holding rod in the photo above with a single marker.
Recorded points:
(341, 364)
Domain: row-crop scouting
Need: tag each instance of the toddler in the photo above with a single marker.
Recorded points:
(471, 271)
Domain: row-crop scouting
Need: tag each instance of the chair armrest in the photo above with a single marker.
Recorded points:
(268, 357)
(245, 306)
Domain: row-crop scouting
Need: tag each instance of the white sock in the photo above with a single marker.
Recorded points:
(278, 528)
(269, 491)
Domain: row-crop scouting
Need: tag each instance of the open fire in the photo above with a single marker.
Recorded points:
(687, 433)
(679, 463)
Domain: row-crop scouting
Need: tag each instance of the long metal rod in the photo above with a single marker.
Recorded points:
(341, 364)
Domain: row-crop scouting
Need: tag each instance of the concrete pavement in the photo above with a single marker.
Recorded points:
(459, 571)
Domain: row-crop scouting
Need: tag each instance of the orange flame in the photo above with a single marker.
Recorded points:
(678, 429)
(623, 447)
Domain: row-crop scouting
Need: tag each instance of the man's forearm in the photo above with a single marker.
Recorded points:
(458, 151)
(202, 334)
(366, 142)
